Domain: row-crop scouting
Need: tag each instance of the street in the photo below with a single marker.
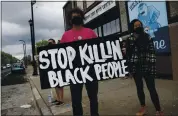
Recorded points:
(5, 72)
(16, 92)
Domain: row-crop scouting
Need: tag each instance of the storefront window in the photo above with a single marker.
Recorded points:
(117, 25)
(100, 33)
(108, 27)
(104, 30)
(95, 30)
(113, 26)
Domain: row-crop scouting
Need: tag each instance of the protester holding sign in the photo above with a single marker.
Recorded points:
(59, 90)
(142, 64)
(78, 32)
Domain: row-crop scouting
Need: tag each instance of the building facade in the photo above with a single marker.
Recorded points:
(113, 17)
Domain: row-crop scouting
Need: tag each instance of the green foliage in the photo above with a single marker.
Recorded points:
(40, 43)
(7, 58)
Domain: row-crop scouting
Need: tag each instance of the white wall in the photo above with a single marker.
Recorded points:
(89, 3)
(80, 4)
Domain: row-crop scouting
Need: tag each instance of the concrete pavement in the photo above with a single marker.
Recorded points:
(116, 97)
(16, 93)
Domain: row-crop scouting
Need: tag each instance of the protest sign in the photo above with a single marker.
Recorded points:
(81, 62)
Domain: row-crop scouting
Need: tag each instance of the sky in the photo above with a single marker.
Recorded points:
(48, 20)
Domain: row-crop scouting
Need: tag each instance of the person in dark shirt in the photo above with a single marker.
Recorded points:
(141, 60)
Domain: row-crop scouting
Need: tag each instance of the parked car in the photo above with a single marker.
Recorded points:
(3, 67)
(18, 68)
(8, 65)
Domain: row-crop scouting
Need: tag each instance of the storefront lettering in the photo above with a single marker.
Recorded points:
(93, 13)
(98, 10)
(134, 4)
(104, 6)
(159, 44)
(87, 17)
(107, 4)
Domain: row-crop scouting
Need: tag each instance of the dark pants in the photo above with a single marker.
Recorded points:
(150, 82)
(76, 94)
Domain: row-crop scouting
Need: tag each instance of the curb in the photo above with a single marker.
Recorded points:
(40, 103)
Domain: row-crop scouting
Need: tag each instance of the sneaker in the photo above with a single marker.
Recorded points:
(141, 112)
(59, 103)
(159, 113)
(55, 101)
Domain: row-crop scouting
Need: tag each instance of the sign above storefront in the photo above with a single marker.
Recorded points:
(98, 10)
(153, 15)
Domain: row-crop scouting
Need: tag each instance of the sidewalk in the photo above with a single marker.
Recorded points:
(116, 97)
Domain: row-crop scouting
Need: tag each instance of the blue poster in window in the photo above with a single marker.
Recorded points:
(153, 15)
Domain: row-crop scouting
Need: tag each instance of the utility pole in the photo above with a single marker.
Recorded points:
(32, 30)
(24, 49)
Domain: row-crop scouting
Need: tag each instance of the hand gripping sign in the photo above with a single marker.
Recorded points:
(81, 62)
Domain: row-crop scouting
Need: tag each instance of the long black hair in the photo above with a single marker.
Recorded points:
(131, 25)
(143, 39)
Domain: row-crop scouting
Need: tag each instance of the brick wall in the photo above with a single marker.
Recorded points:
(173, 8)
(173, 12)
(174, 48)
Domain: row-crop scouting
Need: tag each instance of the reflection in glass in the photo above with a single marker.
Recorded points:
(80, 4)
(95, 30)
(100, 34)
(108, 28)
(104, 30)
(117, 25)
(113, 27)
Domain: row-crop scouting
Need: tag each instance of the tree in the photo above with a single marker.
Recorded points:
(41, 43)
(7, 58)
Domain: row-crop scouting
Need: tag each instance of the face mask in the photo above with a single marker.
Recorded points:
(77, 20)
(139, 30)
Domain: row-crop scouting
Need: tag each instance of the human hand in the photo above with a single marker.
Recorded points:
(124, 51)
